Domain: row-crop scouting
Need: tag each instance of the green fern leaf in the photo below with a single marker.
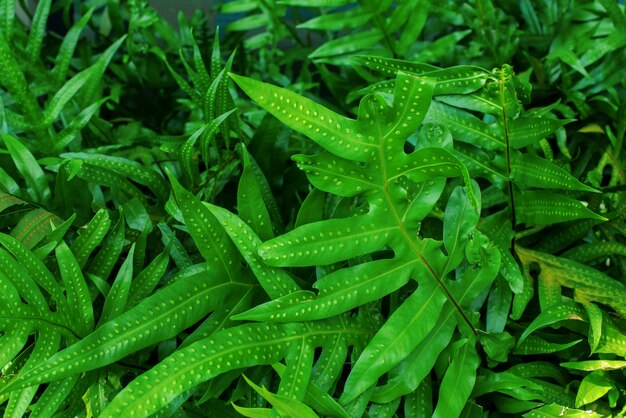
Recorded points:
(612, 340)
(592, 365)
(386, 86)
(418, 404)
(250, 204)
(46, 344)
(350, 19)
(357, 407)
(10, 186)
(316, 397)
(17, 284)
(13, 79)
(416, 13)
(37, 270)
(422, 359)
(106, 177)
(565, 311)
(76, 288)
(201, 70)
(67, 48)
(563, 235)
(379, 180)
(528, 170)
(90, 89)
(284, 405)
(462, 79)
(250, 22)
(387, 410)
(389, 66)
(328, 367)
(458, 382)
(37, 185)
(337, 175)
(53, 396)
(15, 336)
(336, 240)
(34, 226)
(595, 322)
(593, 386)
(525, 131)
(205, 134)
(182, 83)
(276, 282)
(329, 241)
(71, 131)
(411, 373)
(498, 228)
(125, 167)
(175, 247)
(484, 100)
(24, 283)
(591, 284)
(586, 253)
(117, 297)
(7, 17)
(339, 292)
(534, 345)
(395, 339)
(253, 412)
(348, 44)
(104, 261)
(232, 348)
(555, 410)
(459, 221)
(479, 164)
(337, 133)
(466, 127)
(523, 298)
(65, 94)
(157, 318)
(37, 29)
(217, 100)
(210, 238)
(266, 191)
(91, 237)
(147, 280)
(545, 208)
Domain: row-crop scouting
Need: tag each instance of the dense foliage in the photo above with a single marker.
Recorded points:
(324, 208)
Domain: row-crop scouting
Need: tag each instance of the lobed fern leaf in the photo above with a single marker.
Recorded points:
(379, 171)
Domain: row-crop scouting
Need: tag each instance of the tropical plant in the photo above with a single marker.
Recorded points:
(452, 246)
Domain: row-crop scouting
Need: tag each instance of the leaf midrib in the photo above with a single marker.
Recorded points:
(302, 348)
(407, 237)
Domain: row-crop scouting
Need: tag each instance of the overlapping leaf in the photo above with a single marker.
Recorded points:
(248, 345)
(392, 271)
(380, 164)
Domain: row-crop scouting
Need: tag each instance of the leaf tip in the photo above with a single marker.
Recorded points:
(234, 76)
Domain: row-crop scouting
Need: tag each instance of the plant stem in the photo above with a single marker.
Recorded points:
(508, 156)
